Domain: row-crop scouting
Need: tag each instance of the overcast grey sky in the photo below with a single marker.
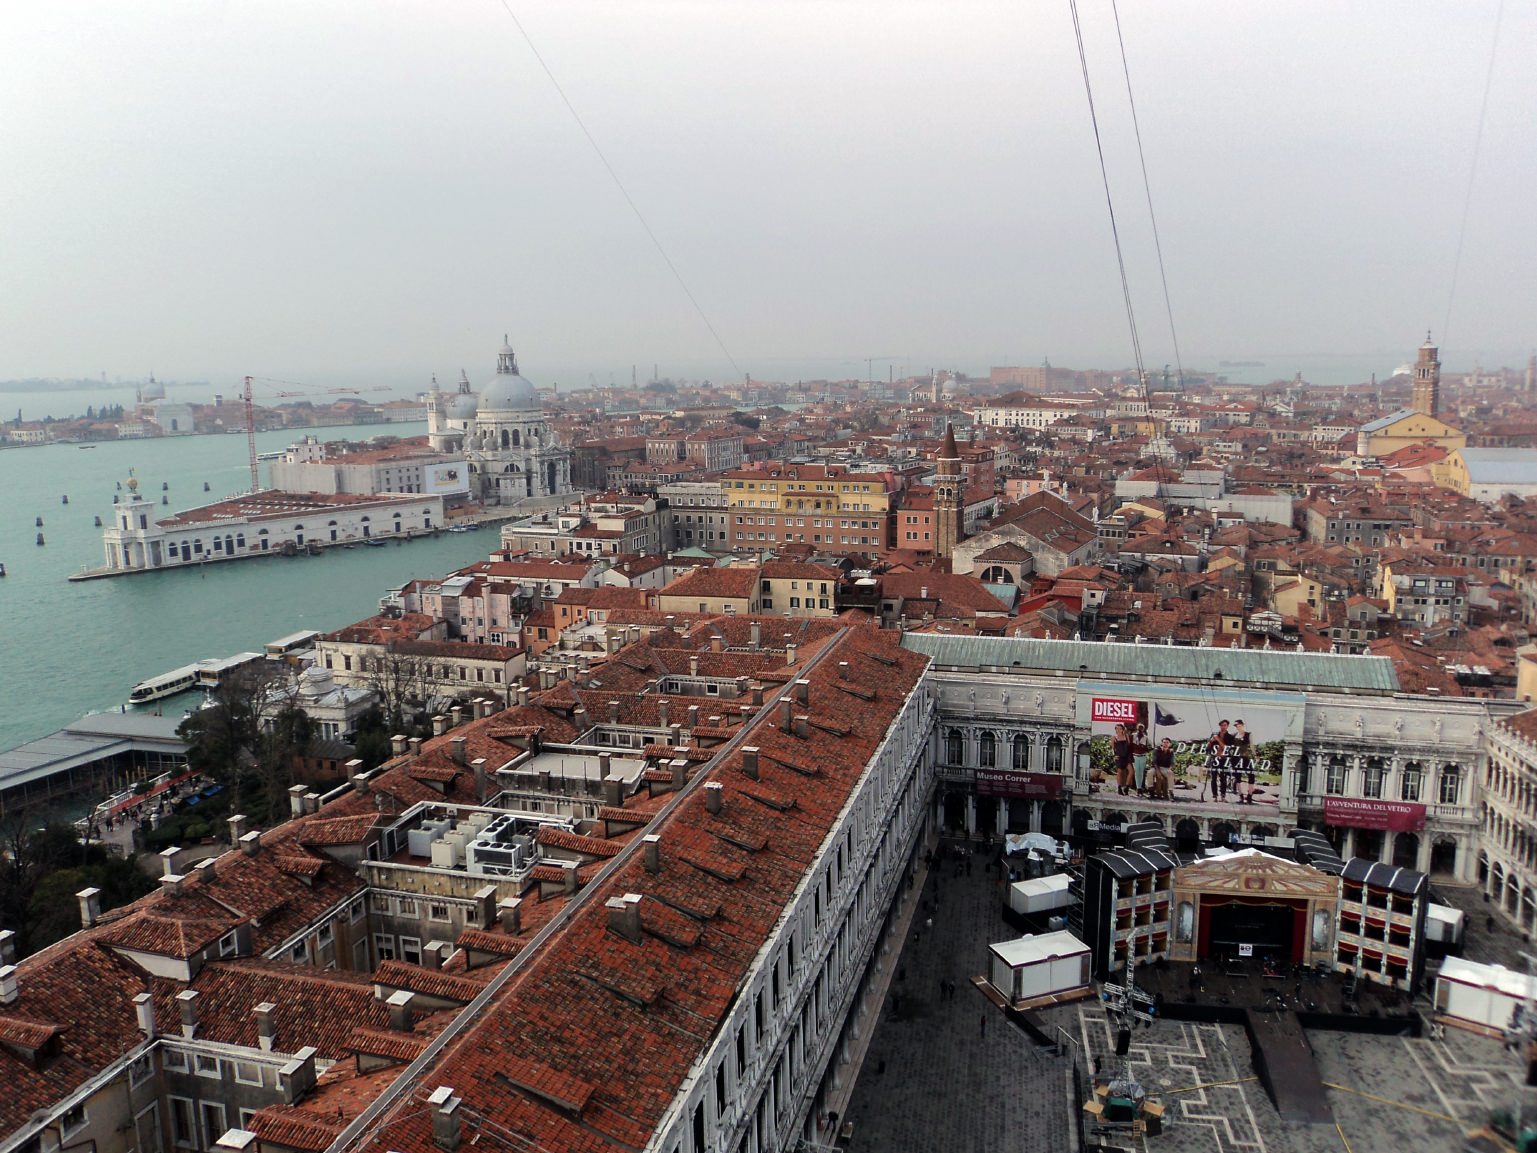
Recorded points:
(337, 189)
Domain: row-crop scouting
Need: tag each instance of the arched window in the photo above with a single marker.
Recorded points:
(1451, 784)
(514, 438)
(1409, 785)
(953, 747)
(1053, 754)
(1021, 751)
(1304, 769)
(1335, 785)
(506, 439)
(1371, 786)
(988, 749)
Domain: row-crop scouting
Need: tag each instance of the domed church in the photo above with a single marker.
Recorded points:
(503, 433)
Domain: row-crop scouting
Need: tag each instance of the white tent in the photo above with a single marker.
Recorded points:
(1040, 894)
(1482, 995)
(1039, 965)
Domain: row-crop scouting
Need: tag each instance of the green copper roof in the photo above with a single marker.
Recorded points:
(1160, 662)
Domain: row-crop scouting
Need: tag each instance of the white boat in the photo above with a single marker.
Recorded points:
(165, 685)
(211, 673)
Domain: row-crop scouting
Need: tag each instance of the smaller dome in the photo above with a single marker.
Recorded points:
(154, 390)
(461, 406)
(315, 682)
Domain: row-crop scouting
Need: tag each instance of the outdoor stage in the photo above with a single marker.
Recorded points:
(1275, 1017)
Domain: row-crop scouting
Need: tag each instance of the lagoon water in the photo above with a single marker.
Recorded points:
(68, 648)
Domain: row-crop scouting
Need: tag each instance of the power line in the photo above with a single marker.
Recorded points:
(1131, 318)
(1467, 198)
(619, 184)
(1148, 188)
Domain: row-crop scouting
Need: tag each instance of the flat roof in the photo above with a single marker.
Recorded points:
(1092, 659)
(92, 738)
(1039, 947)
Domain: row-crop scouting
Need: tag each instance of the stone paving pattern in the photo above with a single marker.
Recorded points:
(933, 1082)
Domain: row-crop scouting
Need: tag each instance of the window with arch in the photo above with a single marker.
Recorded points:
(953, 746)
(1021, 751)
(1304, 768)
(1371, 784)
(1451, 784)
(987, 749)
(1054, 754)
(1334, 784)
(1409, 784)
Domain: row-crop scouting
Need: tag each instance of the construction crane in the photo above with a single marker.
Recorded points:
(250, 414)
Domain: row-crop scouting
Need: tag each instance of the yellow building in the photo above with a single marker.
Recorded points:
(839, 512)
(1405, 427)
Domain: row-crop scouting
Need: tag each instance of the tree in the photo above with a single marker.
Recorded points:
(401, 681)
(224, 738)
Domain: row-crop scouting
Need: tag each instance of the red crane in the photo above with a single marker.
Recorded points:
(250, 415)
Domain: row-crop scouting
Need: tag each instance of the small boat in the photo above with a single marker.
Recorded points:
(165, 486)
(85, 446)
(165, 500)
(452, 528)
(40, 538)
(2, 568)
(39, 522)
(205, 486)
(370, 542)
(98, 522)
(66, 498)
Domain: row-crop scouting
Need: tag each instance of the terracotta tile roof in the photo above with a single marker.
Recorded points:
(338, 830)
(294, 1128)
(433, 983)
(552, 838)
(386, 1043)
(489, 941)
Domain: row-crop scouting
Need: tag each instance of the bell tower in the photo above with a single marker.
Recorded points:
(1426, 397)
(948, 486)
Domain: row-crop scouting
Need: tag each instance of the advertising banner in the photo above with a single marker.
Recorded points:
(451, 477)
(1019, 784)
(1188, 745)
(1358, 813)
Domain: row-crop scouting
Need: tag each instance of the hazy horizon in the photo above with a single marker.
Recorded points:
(345, 193)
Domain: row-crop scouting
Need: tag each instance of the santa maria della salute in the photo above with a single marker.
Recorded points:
(503, 433)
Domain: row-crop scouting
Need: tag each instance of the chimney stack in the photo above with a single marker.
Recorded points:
(508, 912)
(312, 802)
(434, 953)
(624, 916)
(186, 1001)
(399, 1005)
(787, 714)
(456, 749)
(757, 635)
(439, 725)
(803, 726)
(757, 693)
(251, 843)
(579, 715)
(7, 947)
(750, 760)
(613, 712)
(171, 884)
(605, 765)
(484, 912)
(266, 1027)
(398, 745)
(693, 666)
(10, 985)
(652, 852)
(144, 1010)
(296, 800)
(790, 653)
(843, 670)
(90, 906)
(415, 747)
(803, 691)
(712, 795)
(445, 1118)
(207, 869)
(522, 696)
(693, 717)
(482, 780)
(456, 716)
(168, 860)
(237, 829)
(360, 782)
(679, 767)
(569, 869)
(661, 711)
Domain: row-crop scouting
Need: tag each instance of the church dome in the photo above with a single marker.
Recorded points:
(460, 406)
(507, 390)
(154, 390)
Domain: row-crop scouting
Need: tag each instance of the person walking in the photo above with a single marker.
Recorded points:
(983, 1032)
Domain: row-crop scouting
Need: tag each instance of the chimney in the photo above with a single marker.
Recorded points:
(144, 1010)
(712, 795)
(613, 643)
(10, 985)
(757, 693)
(236, 829)
(251, 843)
(843, 670)
(168, 860)
(456, 749)
(481, 780)
(360, 782)
(7, 947)
(235, 1141)
(456, 716)
(398, 745)
(661, 710)
(296, 800)
(923, 593)
(399, 1005)
(207, 869)
(652, 852)
(750, 760)
(434, 953)
(679, 767)
(624, 916)
(613, 712)
(484, 912)
(312, 802)
(803, 691)
(803, 726)
(445, 1118)
(522, 696)
(787, 714)
(675, 735)
(693, 666)
(546, 779)
(579, 716)
(693, 717)
(171, 884)
(415, 747)
(757, 635)
(439, 725)
(569, 869)
(186, 1001)
(605, 765)
(90, 906)
(790, 653)
(266, 1027)
(509, 913)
